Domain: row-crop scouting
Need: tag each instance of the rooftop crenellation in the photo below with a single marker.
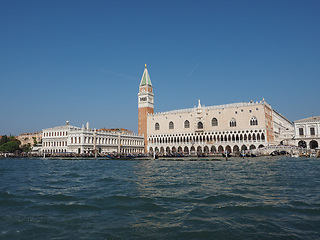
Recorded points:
(241, 104)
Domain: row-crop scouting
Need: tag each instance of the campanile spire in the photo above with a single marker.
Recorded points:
(145, 104)
(145, 80)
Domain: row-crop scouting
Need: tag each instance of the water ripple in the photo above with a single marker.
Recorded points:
(262, 198)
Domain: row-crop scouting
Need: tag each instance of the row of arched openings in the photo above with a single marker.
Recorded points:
(206, 149)
(312, 144)
(209, 139)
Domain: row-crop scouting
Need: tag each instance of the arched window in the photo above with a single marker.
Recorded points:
(200, 125)
(171, 125)
(157, 126)
(186, 124)
(233, 123)
(214, 122)
(253, 121)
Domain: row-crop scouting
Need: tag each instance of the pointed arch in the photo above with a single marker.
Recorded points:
(192, 150)
(253, 121)
(228, 148)
(236, 149)
(233, 122)
(206, 149)
(168, 150)
(214, 122)
(213, 149)
(244, 148)
(199, 149)
(186, 150)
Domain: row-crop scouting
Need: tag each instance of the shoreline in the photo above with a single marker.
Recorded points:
(146, 158)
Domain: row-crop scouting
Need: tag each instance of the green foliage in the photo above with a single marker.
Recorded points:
(13, 139)
(34, 141)
(9, 144)
(26, 148)
(3, 139)
(9, 147)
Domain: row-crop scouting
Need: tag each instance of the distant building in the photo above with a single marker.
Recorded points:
(231, 127)
(307, 132)
(30, 138)
(70, 139)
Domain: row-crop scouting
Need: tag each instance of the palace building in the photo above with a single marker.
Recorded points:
(230, 127)
(70, 139)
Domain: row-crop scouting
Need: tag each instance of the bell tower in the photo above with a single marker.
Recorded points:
(145, 104)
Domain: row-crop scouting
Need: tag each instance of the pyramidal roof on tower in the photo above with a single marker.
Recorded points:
(145, 80)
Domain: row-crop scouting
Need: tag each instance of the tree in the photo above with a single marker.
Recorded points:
(34, 141)
(3, 139)
(13, 139)
(26, 148)
(9, 147)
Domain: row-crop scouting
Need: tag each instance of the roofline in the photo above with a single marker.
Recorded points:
(241, 104)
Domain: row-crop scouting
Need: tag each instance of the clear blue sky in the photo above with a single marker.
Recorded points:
(83, 60)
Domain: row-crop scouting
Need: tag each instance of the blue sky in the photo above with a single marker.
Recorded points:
(83, 60)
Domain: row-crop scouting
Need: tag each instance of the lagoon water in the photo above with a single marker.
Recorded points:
(253, 198)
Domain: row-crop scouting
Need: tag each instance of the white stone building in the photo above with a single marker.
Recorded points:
(70, 139)
(307, 132)
(231, 127)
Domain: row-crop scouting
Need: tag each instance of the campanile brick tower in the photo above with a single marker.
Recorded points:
(145, 104)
